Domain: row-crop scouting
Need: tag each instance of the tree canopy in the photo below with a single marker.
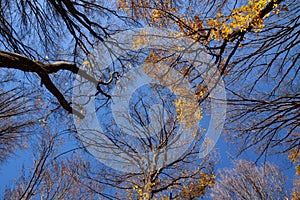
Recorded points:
(58, 57)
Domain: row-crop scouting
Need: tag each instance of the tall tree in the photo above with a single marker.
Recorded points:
(256, 48)
(247, 181)
(249, 41)
(53, 177)
(155, 145)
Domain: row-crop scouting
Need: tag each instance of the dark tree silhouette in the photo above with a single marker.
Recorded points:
(15, 123)
(254, 44)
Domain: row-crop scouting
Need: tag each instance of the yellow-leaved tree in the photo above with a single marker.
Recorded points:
(253, 43)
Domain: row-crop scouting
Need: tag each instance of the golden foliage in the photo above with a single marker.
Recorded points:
(296, 190)
(197, 189)
(152, 11)
(218, 28)
(188, 110)
(294, 157)
(240, 19)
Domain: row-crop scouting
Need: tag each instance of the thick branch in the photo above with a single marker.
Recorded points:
(20, 62)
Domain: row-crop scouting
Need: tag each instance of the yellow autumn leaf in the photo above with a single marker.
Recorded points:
(86, 62)
(297, 169)
(140, 192)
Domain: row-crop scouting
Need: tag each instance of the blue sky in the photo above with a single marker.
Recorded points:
(12, 168)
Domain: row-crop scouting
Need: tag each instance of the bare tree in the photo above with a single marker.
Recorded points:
(40, 40)
(56, 175)
(247, 181)
(53, 176)
(156, 156)
(15, 125)
(263, 86)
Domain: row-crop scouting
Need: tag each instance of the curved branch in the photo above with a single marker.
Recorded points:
(20, 62)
